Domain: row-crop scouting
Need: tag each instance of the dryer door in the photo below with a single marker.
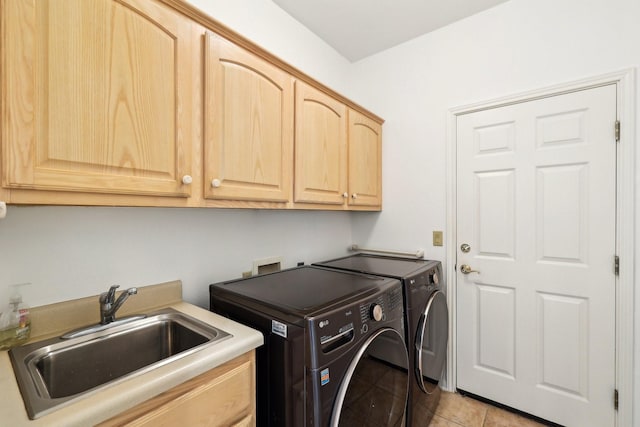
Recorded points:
(375, 387)
(431, 342)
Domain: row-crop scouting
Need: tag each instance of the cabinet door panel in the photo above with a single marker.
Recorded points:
(93, 95)
(223, 396)
(248, 125)
(365, 161)
(321, 147)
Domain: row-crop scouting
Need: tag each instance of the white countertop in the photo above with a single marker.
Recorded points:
(114, 399)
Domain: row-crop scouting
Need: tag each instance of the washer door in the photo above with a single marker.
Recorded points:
(431, 342)
(375, 387)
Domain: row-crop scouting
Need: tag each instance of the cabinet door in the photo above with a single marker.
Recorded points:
(222, 397)
(248, 125)
(95, 96)
(320, 147)
(365, 161)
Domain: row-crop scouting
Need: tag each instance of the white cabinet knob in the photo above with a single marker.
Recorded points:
(345, 194)
(215, 183)
(186, 180)
(354, 196)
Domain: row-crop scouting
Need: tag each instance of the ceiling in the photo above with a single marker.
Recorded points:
(359, 28)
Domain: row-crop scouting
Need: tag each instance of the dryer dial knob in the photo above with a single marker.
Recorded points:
(376, 312)
(434, 278)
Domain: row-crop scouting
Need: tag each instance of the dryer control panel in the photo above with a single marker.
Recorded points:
(376, 310)
(427, 280)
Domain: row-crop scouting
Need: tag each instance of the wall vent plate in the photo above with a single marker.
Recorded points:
(267, 265)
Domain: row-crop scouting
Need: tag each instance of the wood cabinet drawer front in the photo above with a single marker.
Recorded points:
(224, 396)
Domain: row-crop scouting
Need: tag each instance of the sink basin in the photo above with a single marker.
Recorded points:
(54, 372)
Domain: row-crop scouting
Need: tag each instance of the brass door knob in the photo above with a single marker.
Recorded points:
(466, 269)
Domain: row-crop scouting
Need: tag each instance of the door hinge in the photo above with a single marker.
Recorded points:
(615, 399)
(616, 265)
(617, 130)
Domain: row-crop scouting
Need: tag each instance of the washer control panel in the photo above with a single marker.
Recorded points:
(341, 326)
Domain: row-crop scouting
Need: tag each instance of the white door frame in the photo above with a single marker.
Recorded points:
(625, 223)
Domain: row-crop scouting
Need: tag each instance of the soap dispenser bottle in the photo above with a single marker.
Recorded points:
(15, 322)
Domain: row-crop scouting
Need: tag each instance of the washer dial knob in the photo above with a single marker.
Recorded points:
(375, 312)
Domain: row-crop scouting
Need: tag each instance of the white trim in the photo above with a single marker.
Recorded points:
(625, 238)
(450, 379)
(625, 228)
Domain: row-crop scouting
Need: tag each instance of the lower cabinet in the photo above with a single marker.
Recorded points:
(223, 396)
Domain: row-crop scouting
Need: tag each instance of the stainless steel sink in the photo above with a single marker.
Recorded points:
(56, 371)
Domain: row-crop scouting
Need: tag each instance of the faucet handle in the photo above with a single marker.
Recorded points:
(110, 295)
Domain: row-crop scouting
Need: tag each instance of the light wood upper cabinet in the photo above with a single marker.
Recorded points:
(365, 161)
(320, 147)
(338, 153)
(152, 103)
(248, 125)
(97, 96)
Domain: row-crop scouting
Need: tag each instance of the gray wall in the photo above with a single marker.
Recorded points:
(71, 252)
(517, 46)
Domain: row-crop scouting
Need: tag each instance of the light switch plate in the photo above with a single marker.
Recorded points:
(437, 238)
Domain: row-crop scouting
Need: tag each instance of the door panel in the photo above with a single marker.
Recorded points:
(562, 342)
(536, 203)
(496, 213)
(561, 215)
(495, 306)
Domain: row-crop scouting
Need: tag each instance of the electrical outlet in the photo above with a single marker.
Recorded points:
(246, 274)
(437, 238)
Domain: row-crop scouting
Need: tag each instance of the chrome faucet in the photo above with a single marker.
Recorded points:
(108, 307)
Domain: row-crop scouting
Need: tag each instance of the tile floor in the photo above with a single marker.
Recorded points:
(455, 410)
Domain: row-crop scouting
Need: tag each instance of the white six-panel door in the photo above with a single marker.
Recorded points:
(536, 188)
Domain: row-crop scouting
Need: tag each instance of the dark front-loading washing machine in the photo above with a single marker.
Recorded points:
(334, 346)
(426, 323)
